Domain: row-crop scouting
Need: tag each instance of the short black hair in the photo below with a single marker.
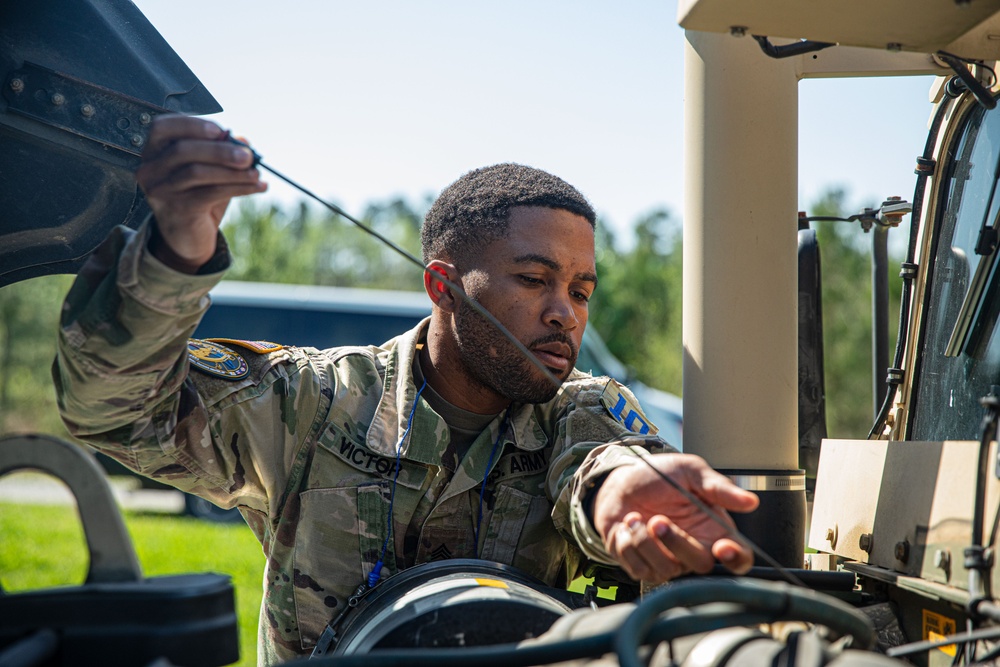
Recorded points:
(475, 209)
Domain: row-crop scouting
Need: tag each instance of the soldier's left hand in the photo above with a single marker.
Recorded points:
(655, 533)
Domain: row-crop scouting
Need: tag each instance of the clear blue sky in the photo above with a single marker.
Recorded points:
(364, 100)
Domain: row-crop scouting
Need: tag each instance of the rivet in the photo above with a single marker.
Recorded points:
(87, 110)
(58, 99)
(145, 118)
(137, 140)
(902, 550)
(16, 85)
(865, 542)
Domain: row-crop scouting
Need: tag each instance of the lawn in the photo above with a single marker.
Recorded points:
(43, 546)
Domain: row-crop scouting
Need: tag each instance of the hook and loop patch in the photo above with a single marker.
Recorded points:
(216, 360)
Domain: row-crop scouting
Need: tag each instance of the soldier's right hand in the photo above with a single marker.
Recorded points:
(189, 173)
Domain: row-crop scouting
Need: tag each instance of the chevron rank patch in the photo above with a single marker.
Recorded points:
(625, 410)
(216, 360)
(258, 346)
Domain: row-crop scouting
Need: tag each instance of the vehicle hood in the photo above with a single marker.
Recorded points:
(80, 82)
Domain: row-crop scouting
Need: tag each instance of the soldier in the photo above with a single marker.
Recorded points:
(443, 442)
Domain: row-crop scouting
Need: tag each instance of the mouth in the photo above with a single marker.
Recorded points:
(556, 356)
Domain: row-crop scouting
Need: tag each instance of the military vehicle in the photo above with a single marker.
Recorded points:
(901, 527)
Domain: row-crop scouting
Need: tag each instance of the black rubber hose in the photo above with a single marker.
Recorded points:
(789, 601)
(755, 603)
(788, 50)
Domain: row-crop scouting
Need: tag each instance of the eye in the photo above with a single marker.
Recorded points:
(531, 280)
(583, 297)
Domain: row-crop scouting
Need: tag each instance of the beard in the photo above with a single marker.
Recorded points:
(492, 361)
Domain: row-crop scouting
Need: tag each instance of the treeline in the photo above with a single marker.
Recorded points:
(636, 309)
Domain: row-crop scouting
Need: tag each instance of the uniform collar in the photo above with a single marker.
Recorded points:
(429, 434)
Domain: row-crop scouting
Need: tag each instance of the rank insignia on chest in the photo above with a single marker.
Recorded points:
(216, 360)
(625, 410)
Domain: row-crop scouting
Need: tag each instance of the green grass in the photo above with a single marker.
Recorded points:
(43, 546)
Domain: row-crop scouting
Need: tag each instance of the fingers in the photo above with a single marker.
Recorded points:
(657, 551)
(189, 174)
(169, 128)
(185, 153)
(736, 557)
(717, 489)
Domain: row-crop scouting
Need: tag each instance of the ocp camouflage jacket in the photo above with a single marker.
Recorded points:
(305, 446)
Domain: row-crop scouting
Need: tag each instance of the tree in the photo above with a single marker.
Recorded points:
(637, 305)
(847, 324)
(29, 315)
(321, 248)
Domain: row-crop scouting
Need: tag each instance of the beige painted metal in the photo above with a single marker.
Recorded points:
(740, 281)
(845, 61)
(969, 29)
(740, 285)
(847, 487)
(912, 499)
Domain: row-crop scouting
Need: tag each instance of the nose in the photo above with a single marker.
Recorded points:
(560, 313)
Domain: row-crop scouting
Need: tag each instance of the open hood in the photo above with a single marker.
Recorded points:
(81, 82)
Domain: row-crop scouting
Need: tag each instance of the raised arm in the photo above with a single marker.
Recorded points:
(189, 174)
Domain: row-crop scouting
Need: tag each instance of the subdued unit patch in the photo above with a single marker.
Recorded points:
(217, 361)
(625, 410)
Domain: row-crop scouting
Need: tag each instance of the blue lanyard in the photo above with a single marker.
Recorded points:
(376, 572)
(489, 464)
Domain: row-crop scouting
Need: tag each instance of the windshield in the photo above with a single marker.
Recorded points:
(960, 355)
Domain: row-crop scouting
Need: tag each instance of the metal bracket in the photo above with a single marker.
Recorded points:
(80, 107)
(112, 556)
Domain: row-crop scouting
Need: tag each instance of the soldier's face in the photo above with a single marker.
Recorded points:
(537, 282)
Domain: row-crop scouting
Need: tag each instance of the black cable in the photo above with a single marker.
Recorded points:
(733, 603)
(978, 90)
(788, 50)
(779, 598)
(527, 655)
(854, 218)
(902, 330)
(962, 638)
(731, 531)
(34, 650)
(988, 435)
(990, 655)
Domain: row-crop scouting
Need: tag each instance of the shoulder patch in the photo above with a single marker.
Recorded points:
(625, 410)
(216, 360)
(258, 346)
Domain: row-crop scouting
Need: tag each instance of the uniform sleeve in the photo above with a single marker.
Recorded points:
(123, 383)
(586, 452)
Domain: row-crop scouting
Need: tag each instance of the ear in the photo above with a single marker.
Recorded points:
(439, 293)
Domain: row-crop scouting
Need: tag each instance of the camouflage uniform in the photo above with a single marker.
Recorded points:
(305, 445)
